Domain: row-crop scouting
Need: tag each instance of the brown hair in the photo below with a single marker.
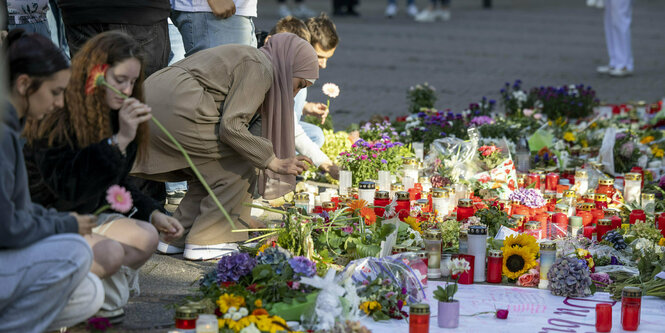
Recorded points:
(293, 25)
(88, 117)
(323, 31)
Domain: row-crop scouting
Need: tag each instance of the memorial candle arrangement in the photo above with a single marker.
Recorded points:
(478, 248)
(547, 257)
(632, 188)
(432, 240)
(631, 304)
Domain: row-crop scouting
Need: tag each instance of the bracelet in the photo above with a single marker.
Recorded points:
(113, 141)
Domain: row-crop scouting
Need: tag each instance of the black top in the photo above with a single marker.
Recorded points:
(22, 222)
(76, 179)
(136, 12)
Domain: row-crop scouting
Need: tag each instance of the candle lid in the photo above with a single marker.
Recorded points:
(611, 212)
(495, 253)
(477, 230)
(382, 195)
(586, 206)
(432, 235)
(421, 254)
(419, 308)
(547, 245)
(422, 202)
(634, 292)
(186, 312)
(199, 307)
(648, 196)
(549, 195)
(399, 248)
(439, 193)
(538, 171)
(397, 187)
(465, 203)
(575, 221)
(569, 194)
(605, 222)
(402, 195)
(451, 190)
(590, 196)
(423, 180)
(302, 196)
(561, 208)
(414, 249)
(366, 185)
(633, 176)
(532, 225)
(463, 234)
(581, 174)
(606, 181)
(409, 161)
(328, 204)
(600, 197)
(519, 217)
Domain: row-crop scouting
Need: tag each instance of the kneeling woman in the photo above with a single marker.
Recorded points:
(208, 101)
(76, 153)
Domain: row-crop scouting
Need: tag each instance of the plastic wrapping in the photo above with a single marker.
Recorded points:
(397, 268)
(454, 155)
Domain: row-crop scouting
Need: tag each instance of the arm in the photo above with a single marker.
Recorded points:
(145, 205)
(305, 146)
(251, 81)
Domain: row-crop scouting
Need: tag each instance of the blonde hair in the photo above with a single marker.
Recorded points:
(293, 25)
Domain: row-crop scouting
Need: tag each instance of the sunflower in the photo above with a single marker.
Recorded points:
(370, 307)
(226, 301)
(517, 261)
(368, 215)
(521, 240)
(357, 204)
(413, 222)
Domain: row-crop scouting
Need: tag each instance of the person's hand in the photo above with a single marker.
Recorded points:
(331, 169)
(289, 166)
(168, 226)
(85, 222)
(131, 115)
(222, 8)
(316, 109)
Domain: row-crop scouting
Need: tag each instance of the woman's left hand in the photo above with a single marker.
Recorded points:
(167, 226)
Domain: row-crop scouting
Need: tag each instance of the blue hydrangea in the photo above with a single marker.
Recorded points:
(275, 257)
(302, 266)
(232, 268)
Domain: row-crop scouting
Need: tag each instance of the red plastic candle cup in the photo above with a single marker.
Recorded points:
(560, 221)
(631, 303)
(603, 317)
(403, 206)
(587, 218)
(660, 224)
(551, 181)
(637, 215)
(466, 277)
(419, 318)
(603, 226)
(616, 223)
(533, 178)
(589, 231)
(494, 266)
(597, 214)
(464, 209)
(381, 200)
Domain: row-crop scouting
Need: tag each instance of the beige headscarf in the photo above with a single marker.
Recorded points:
(291, 56)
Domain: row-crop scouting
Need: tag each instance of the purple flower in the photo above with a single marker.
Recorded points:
(627, 149)
(601, 279)
(98, 324)
(302, 266)
(232, 268)
(384, 161)
(481, 120)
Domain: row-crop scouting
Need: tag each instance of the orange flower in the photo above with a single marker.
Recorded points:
(259, 312)
(357, 204)
(95, 77)
(368, 214)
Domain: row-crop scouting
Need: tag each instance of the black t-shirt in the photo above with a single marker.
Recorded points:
(137, 12)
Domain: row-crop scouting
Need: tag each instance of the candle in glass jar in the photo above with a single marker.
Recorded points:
(521, 220)
(589, 231)
(632, 188)
(581, 182)
(560, 225)
(547, 256)
(597, 214)
(419, 318)
(421, 206)
(185, 318)
(649, 203)
(533, 228)
(603, 226)
(440, 202)
(575, 224)
(478, 248)
(432, 239)
(302, 202)
(533, 178)
(637, 215)
(396, 187)
(425, 183)
(366, 191)
(603, 317)
(207, 323)
(399, 249)
(463, 242)
(410, 169)
(606, 186)
(345, 181)
(464, 209)
(660, 223)
(403, 204)
(631, 304)
(600, 201)
(494, 266)
(452, 198)
(614, 216)
(381, 200)
(384, 180)
(551, 181)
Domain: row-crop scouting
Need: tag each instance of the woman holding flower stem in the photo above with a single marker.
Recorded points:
(76, 153)
(209, 102)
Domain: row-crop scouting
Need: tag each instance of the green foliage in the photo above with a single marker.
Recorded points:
(327, 125)
(421, 96)
(365, 159)
(450, 235)
(626, 153)
(445, 294)
(493, 218)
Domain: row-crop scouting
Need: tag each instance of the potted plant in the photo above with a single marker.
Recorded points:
(448, 309)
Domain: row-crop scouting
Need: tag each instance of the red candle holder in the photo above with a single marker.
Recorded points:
(466, 277)
(560, 222)
(603, 317)
(637, 215)
(533, 178)
(494, 266)
(551, 181)
(631, 303)
(660, 224)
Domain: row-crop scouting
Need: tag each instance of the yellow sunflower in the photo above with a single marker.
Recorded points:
(517, 261)
(522, 240)
(413, 222)
(370, 307)
(226, 301)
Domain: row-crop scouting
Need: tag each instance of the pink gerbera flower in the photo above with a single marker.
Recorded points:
(119, 199)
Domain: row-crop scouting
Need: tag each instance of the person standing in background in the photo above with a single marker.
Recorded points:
(411, 8)
(301, 10)
(29, 15)
(617, 36)
(432, 13)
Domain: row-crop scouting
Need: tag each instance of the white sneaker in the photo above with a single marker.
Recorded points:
(165, 248)
(412, 10)
(426, 15)
(442, 14)
(303, 12)
(207, 252)
(284, 11)
(620, 72)
(391, 10)
(604, 69)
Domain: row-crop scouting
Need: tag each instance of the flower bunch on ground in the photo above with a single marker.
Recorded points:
(382, 299)
(569, 277)
(421, 96)
(490, 156)
(519, 255)
(528, 197)
(373, 131)
(365, 158)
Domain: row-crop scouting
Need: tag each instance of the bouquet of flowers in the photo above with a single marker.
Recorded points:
(365, 159)
(626, 152)
(421, 96)
(570, 277)
(374, 131)
(572, 101)
(490, 156)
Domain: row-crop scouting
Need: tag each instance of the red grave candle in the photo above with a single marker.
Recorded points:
(587, 218)
(533, 178)
(596, 215)
(494, 266)
(603, 226)
(403, 204)
(381, 200)
(467, 277)
(551, 181)
(419, 318)
(637, 215)
(631, 303)
(603, 317)
(660, 223)
(464, 209)
(560, 221)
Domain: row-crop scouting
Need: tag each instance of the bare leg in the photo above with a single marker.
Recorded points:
(108, 255)
(138, 239)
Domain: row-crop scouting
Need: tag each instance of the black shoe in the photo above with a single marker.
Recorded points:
(352, 12)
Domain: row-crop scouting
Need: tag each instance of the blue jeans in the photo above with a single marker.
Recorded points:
(36, 281)
(177, 46)
(203, 30)
(314, 132)
(41, 28)
(176, 186)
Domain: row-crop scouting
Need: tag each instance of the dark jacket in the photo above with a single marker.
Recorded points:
(22, 222)
(137, 12)
(69, 178)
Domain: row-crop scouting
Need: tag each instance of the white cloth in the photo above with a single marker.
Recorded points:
(243, 7)
(617, 33)
(304, 145)
(118, 286)
(84, 302)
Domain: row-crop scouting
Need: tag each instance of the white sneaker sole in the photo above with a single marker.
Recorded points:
(208, 252)
(165, 248)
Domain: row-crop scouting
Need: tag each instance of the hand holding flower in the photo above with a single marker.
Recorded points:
(131, 115)
(85, 223)
(169, 227)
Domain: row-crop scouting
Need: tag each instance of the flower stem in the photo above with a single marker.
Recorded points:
(101, 209)
(184, 153)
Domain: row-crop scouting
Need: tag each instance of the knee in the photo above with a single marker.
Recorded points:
(109, 254)
(148, 238)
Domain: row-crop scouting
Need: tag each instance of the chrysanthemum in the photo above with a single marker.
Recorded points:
(227, 301)
(521, 240)
(517, 261)
(331, 90)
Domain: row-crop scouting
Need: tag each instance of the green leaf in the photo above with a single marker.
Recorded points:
(262, 272)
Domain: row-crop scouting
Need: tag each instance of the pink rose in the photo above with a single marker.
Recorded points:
(502, 313)
(529, 279)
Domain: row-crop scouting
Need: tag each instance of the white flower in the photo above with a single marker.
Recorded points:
(458, 266)
(390, 209)
(243, 311)
(250, 329)
(520, 96)
(232, 309)
(227, 315)
(331, 90)
(236, 316)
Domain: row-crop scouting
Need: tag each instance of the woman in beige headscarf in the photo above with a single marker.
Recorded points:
(208, 102)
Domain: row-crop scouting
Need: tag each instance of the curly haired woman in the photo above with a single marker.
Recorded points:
(76, 153)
